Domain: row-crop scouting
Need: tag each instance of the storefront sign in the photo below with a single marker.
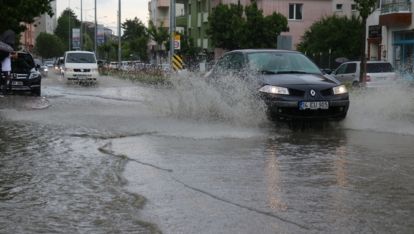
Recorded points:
(374, 31)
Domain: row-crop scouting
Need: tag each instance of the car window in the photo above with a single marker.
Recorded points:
(350, 68)
(379, 67)
(80, 58)
(278, 62)
(341, 69)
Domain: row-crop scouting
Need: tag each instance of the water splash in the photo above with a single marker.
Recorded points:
(389, 109)
(227, 99)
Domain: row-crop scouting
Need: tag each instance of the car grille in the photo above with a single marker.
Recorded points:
(20, 76)
(82, 70)
(296, 92)
(301, 93)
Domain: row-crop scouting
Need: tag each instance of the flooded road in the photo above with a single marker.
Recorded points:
(124, 158)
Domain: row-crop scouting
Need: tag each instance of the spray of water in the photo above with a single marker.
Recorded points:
(227, 99)
(389, 109)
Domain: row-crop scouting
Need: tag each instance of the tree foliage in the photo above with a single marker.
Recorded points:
(49, 46)
(65, 26)
(334, 33)
(13, 12)
(136, 38)
(235, 27)
(365, 8)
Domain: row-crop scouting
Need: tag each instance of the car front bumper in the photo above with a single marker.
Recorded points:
(289, 109)
(80, 76)
(25, 84)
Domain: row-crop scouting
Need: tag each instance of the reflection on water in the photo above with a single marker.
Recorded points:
(53, 183)
(339, 181)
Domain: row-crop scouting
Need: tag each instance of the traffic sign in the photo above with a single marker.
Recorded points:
(177, 45)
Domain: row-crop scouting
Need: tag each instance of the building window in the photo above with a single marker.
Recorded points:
(189, 32)
(189, 9)
(339, 7)
(353, 7)
(295, 11)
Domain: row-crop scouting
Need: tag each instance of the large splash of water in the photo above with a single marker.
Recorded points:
(227, 99)
(389, 109)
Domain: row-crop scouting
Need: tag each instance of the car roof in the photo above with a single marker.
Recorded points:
(368, 61)
(79, 51)
(263, 50)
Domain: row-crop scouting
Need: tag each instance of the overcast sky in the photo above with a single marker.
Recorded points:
(107, 10)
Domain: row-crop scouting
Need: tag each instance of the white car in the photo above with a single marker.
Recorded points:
(379, 73)
(80, 66)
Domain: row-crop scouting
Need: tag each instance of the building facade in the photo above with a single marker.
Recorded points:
(43, 23)
(390, 33)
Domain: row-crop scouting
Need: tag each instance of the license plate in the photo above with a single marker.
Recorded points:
(17, 83)
(314, 105)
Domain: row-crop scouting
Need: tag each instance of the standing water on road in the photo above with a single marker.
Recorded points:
(125, 158)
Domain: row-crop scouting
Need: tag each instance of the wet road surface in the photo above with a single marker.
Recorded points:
(125, 158)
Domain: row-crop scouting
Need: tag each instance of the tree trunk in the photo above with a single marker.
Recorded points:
(362, 72)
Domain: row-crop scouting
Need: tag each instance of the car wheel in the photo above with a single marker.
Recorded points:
(36, 91)
(355, 84)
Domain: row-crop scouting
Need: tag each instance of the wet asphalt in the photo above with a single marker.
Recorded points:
(122, 157)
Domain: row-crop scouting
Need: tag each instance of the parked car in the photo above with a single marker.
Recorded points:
(25, 76)
(379, 73)
(59, 65)
(44, 70)
(80, 66)
(290, 84)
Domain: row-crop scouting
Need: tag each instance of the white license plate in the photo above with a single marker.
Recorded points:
(17, 82)
(314, 105)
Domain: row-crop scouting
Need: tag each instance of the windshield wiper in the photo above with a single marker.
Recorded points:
(292, 72)
(267, 72)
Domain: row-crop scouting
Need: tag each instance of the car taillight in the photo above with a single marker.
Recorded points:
(367, 78)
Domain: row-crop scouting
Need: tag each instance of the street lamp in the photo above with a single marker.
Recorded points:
(119, 33)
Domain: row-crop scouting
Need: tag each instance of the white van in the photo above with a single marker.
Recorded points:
(379, 73)
(80, 66)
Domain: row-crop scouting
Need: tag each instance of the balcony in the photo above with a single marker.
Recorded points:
(395, 13)
(163, 3)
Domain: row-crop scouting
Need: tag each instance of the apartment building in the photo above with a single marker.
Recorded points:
(43, 23)
(390, 33)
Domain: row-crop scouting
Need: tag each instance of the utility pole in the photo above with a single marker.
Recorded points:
(172, 30)
(96, 29)
(81, 26)
(69, 38)
(119, 33)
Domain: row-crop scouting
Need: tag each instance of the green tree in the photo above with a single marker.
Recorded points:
(49, 46)
(333, 34)
(136, 38)
(14, 12)
(234, 26)
(160, 35)
(65, 23)
(365, 8)
(226, 26)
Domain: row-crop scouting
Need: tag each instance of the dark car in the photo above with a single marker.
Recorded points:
(25, 74)
(290, 84)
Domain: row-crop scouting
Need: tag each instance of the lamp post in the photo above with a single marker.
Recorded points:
(172, 30)
(69, 38)
(96, 29)
(119, 33)
(81, 25)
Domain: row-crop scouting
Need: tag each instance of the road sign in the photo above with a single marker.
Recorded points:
(177, 62)
(177, 45)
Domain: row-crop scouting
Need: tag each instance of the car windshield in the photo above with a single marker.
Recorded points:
(80, 58)
(379, 67)
(23, 63)
(281, 62)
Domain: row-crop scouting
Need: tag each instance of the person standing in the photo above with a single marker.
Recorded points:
(8, 37)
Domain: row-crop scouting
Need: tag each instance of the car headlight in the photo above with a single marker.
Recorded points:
(274, 90)
(340, 90)
(34, 75)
